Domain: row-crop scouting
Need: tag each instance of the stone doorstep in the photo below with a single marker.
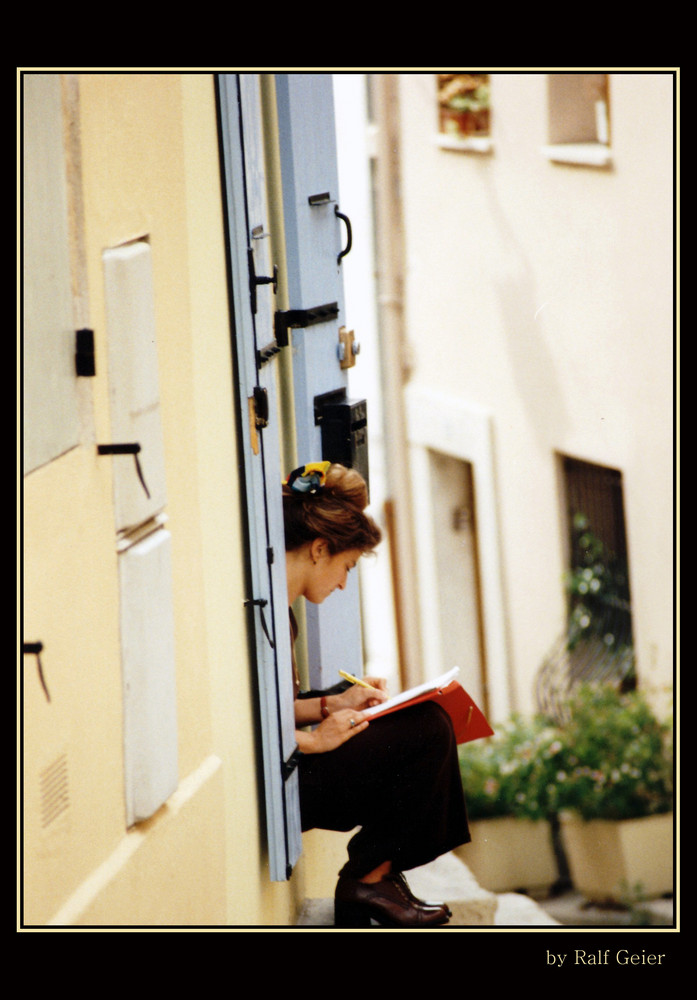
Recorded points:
(448, 878)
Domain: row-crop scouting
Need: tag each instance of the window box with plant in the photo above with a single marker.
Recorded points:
(464, 110)
(613, 791)
(605, 774)
(505, 778)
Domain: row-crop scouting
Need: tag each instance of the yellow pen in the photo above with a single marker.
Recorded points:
(355, 680)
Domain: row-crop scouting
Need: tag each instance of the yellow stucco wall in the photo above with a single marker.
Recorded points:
(150, 168)
(146, 166)
(71, 606)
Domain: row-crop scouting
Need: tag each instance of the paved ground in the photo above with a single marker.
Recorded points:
(447, 878)
(571, 909)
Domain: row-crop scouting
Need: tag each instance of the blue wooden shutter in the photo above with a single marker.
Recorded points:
(254, 307)
(316, 236)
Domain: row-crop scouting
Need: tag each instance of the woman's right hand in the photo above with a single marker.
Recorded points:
(333, 731)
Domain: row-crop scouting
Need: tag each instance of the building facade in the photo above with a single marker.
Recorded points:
(524, 262)
(188, 307)
(155, 658)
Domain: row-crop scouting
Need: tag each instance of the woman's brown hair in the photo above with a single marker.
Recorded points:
(336, 512)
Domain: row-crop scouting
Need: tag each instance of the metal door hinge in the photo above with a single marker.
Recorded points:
(265, 354)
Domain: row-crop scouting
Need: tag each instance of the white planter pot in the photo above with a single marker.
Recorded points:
(619, 860)
(506, 854)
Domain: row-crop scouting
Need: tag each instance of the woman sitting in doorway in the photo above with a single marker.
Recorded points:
(396, 777)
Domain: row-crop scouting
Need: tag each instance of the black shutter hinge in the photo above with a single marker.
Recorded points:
(288, 766)
(284, 320)
(265, 354)
(85, 363)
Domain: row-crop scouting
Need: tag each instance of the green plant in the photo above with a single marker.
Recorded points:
(476, 99)
(616, 760)
(598, 591)
(464, 103)
(464, 91)
(508, 774)
(612, 759)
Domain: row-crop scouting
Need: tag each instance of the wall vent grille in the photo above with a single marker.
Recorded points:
(53, 786)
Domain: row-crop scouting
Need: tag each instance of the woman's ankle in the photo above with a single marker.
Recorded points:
(377, 874)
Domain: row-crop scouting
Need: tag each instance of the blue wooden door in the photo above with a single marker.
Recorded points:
(317, 234)
(253, 303)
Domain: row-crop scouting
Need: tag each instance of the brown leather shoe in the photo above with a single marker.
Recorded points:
(387, 902)
(399, 877)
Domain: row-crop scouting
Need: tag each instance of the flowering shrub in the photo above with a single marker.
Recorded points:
(617, 759)
(508, 774)
(612, 760)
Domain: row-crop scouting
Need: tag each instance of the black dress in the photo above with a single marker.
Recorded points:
(399, 781)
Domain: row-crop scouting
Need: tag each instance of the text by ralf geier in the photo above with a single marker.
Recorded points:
(621, 956)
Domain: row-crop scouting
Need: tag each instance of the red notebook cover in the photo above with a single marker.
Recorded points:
(468, 720)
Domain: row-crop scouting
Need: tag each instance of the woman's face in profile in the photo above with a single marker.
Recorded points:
(329, 573)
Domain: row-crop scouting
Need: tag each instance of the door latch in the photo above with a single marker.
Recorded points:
(261, 407)
(258, 409)
(261, 603)
(349, 348)
(254, 280)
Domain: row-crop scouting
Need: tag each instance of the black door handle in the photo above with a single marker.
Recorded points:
(349, 237)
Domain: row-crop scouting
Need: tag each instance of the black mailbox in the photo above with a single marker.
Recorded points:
(344, 427)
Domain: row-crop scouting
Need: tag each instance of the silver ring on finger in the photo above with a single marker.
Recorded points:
(352, 723)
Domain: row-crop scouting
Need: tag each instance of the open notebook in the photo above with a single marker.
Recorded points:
(468, 721)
